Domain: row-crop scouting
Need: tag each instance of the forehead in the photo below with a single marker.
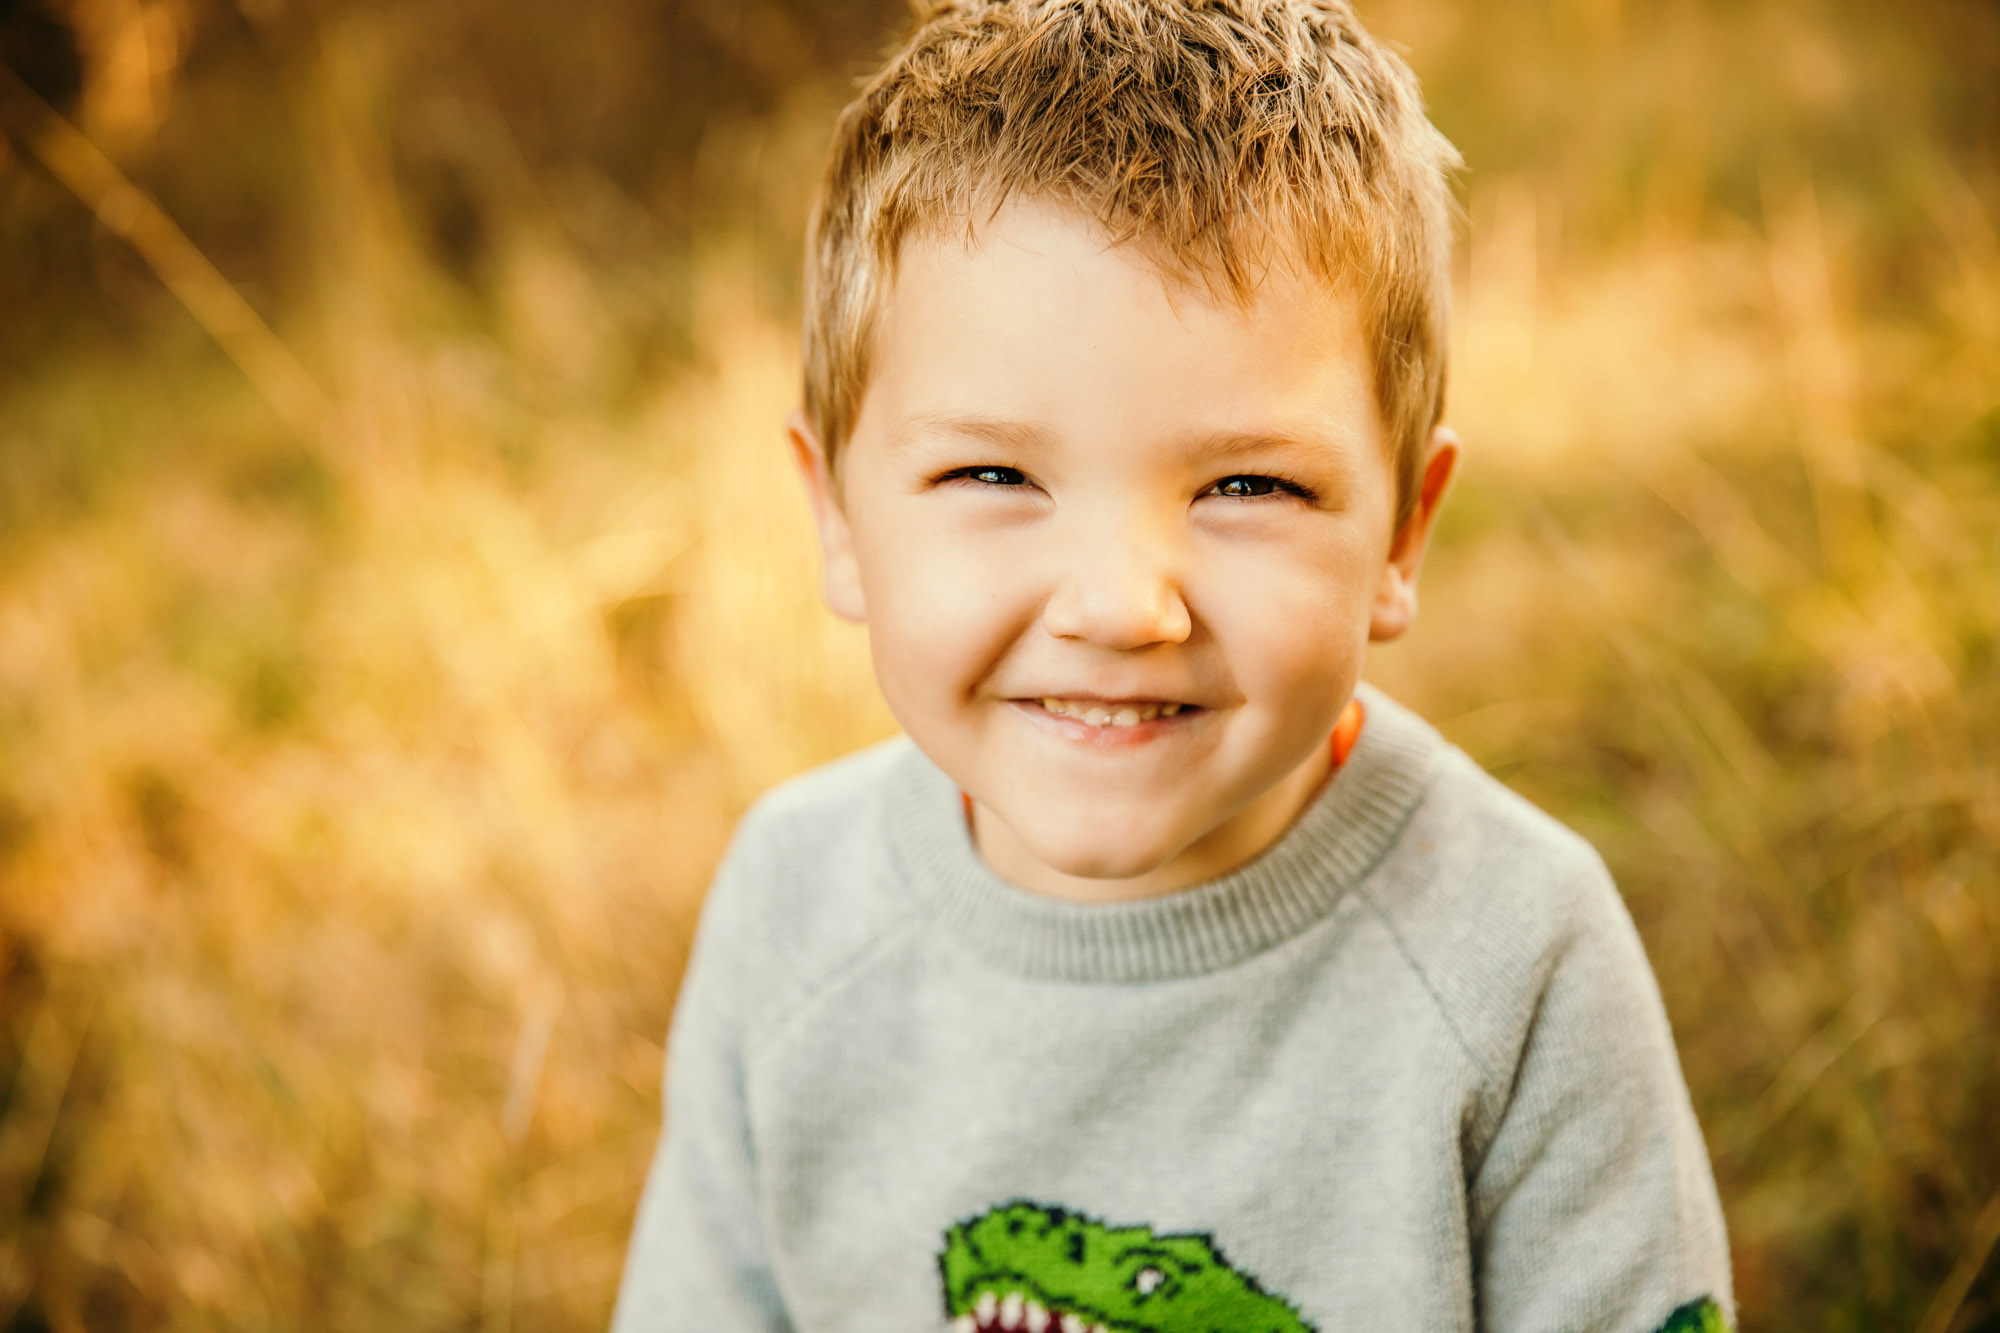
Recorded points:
(1036, 316)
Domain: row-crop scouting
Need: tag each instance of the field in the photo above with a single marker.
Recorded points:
(402, 589)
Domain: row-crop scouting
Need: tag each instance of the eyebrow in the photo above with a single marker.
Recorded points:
(1241, 444)
(1226, 444)
(994, 430)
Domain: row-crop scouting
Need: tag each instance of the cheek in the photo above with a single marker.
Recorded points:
(1291, 620)
(941, 611)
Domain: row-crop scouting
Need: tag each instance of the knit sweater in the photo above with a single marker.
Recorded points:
(1407, 1070)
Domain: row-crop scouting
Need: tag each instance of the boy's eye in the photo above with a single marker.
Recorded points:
(987, 476)
(1250, 487)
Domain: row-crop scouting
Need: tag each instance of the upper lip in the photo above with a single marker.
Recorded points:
(1093, 697)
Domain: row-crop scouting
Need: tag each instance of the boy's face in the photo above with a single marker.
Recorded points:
(1120, 549)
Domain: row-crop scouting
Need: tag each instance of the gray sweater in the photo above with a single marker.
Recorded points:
(1408, 1070)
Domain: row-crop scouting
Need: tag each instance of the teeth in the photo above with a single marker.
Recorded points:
(1010, 1310)
(985, 1307)
(1098, 715)
(1071, 1324)
(965, 1323)
(1038, 1317)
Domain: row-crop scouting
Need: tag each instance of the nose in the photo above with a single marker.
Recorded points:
(1117, 588)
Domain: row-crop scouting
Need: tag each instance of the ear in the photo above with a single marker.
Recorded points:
(1396, 597)
(840, 574)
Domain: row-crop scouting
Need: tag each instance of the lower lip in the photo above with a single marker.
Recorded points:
(1108, 737)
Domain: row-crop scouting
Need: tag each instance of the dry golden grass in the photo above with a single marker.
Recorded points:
(371, 719)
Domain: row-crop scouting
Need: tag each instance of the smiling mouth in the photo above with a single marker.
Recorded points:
(1113, 713)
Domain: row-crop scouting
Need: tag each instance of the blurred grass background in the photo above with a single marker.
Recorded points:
(402, 589)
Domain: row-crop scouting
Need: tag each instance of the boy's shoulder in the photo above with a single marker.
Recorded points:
(809, 883)
(1493, 847)
(833, 800)
(1488, 896)
(1472, 840)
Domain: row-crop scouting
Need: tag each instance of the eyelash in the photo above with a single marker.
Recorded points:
(1297, 489)
(972, 474)
(1284, 485)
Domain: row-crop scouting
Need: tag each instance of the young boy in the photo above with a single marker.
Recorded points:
(1165, 977)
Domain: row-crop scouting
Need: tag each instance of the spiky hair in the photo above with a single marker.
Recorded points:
(1214, 134)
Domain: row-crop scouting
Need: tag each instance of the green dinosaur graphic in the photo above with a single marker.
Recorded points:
(1025, 1266)
(1702, 1316)
(1044, 1269)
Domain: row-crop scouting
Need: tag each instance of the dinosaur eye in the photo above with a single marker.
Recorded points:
(1148, 1281)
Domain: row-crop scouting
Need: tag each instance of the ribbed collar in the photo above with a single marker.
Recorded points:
(1296, 882)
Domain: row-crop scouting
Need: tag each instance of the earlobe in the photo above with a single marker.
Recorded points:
(840, 574)
(1395, 607)
(1396, 598)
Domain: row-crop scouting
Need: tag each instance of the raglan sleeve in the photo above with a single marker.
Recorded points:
(698, 1257)
(1593, 1206)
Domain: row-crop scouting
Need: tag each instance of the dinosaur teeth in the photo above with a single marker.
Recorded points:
(992, 1312)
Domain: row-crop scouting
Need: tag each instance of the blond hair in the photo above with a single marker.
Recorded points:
(1207, 131)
